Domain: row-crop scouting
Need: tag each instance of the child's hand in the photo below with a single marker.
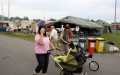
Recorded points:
(86, 55)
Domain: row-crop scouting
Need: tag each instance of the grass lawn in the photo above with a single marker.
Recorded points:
(108, 37)
(28, 37)
(111, 37)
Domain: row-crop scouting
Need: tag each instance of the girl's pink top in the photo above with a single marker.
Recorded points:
(41, 48)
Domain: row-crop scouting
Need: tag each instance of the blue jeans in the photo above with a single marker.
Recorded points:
(43, 61)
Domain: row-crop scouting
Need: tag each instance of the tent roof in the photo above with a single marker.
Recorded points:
(103, 23)
(10, 23)
(4, 21)
(16, 22)
(25, 23)
(77, 21)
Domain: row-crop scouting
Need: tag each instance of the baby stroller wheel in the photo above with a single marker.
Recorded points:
(65, 73)
(93, 65)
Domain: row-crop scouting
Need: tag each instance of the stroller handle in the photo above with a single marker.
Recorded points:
(58, 49)
(50, 50)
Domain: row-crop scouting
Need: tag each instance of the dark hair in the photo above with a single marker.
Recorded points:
(40, 27)
(66, 27)
(78, 46)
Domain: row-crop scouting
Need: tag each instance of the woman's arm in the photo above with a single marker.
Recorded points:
(40, 40)
(68, 40)
(51, 45)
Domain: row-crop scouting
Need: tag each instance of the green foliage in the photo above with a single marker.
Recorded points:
(37, 20)
(5, 18)
(1, 17)
(25, 18)
(17, 18)
(11, 18)
(92, 20)
(28, 37)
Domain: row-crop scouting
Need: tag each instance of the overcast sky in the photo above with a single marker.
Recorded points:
(92, 9)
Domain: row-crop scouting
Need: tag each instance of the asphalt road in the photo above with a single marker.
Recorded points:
(17, 57)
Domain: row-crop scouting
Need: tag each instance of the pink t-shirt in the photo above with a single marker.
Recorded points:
(41, 48)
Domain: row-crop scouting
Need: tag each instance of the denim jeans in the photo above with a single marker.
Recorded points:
(43, 61)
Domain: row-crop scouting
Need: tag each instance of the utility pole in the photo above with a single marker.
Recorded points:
(8, 10)
(2, 12)
(88, 17)
(115, 17)
(44, 15)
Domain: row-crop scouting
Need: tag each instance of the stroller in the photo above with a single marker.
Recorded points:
(73, 62)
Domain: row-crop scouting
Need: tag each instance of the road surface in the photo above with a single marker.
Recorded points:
(17, 57)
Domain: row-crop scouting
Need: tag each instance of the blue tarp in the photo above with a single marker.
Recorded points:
(41, 23)
(2, 29)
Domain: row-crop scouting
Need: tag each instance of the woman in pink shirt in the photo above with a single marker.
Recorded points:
(42, 44)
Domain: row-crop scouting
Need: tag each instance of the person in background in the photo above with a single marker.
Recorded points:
(7, 28)
(54, 38)
(64, 39)
(42, 44)
(30, 30)
(69, 31)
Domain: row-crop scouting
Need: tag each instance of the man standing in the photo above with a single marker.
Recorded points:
(54, 38)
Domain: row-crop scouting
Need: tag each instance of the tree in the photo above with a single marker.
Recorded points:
(17, 18)
(25, 18)
(1, 17)
(11, 18)
(5, 18)
(37, 20)
(92, 20)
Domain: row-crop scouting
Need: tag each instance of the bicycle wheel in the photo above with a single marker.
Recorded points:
(62, 73)
(93, 65)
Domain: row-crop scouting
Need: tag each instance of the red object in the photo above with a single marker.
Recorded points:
(47, 22)
(69, 33)
(91, 45)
